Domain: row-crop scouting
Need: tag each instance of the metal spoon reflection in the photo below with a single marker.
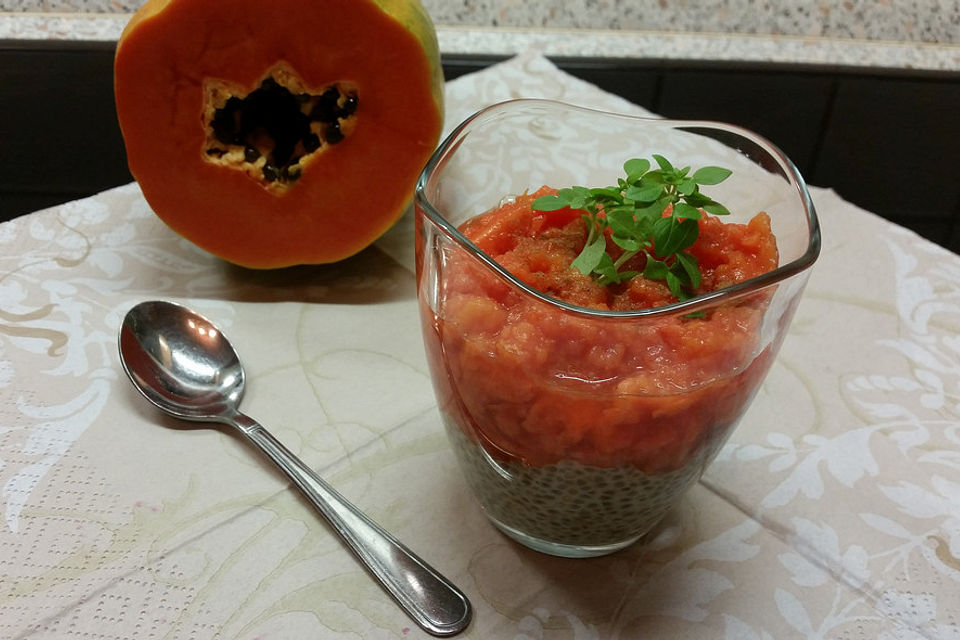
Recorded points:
(185, 366)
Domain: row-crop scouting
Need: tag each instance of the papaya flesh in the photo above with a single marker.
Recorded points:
(279, 133)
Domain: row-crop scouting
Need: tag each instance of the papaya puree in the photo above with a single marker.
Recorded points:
(537, 384)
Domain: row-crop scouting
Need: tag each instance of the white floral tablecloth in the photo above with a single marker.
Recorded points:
(833, 512)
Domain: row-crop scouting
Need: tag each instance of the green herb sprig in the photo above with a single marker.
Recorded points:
(633, 211)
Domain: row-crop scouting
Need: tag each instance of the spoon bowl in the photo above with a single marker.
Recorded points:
(181, 362)
(184, 365)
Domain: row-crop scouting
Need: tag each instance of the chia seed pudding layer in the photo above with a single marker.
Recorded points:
(573, 504)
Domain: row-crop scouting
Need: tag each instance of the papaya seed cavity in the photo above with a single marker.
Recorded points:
(272, 132)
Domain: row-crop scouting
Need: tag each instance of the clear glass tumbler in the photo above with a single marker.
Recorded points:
(578, 429)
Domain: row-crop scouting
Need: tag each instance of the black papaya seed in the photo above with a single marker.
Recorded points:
(333, 133)
(325, 109)
(349, 106)
(311, 143)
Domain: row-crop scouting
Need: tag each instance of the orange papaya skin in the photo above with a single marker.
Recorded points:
(350, 193)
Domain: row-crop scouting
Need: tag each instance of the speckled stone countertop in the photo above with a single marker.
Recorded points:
(903, 34)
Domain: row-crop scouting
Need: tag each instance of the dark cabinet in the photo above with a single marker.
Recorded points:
(58, 125)
(892, 145)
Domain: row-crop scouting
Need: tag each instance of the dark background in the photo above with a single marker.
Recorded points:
(886, 139)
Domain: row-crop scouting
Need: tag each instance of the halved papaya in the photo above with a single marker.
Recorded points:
(281, 132)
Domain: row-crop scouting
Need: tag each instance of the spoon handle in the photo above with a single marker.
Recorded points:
(431, 600)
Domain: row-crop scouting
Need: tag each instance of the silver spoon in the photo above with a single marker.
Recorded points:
(185, 366)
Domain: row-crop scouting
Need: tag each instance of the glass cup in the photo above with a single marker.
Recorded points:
(578, 429)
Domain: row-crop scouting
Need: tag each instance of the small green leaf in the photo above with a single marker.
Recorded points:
(645, 193)
(626, 243)
(663, 163)
(549, 203)
(684, 210)
(716, 209)
(675, 237)
(711, 175)
(652, 212)
(662, 229)
(691, 268)
(645, 232)
(581, 192)
(635, 167)
(580, 197)
(591, 255)
(687, 186)
(655, 269)
(676, 286)
(681, 274)
(621, 221)
(697, 199)
(688, 230)
(607, 192)
(607, 270)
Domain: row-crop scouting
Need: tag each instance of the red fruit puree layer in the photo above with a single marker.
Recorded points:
(538, 384)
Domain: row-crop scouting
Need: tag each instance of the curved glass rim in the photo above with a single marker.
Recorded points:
(692, 305)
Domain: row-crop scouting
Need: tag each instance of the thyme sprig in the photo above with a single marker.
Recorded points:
(634, 214)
